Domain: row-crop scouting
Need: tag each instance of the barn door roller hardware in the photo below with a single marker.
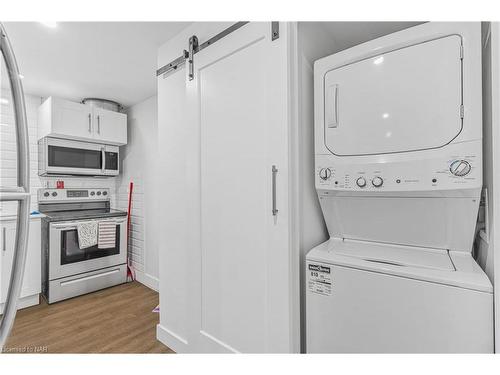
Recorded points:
(275, 30)
(195, 47)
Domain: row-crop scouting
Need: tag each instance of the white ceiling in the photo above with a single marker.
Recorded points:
(111, 60)
(117, 60)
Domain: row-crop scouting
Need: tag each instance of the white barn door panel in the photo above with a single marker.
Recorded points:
(228, 260)
(241, 98)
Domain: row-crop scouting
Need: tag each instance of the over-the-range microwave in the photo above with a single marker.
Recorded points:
(67, 157)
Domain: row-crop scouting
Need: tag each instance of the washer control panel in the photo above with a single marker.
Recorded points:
(454, 172)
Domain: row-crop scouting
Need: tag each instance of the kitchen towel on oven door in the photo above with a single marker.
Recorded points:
(87, 234)
(107, 235)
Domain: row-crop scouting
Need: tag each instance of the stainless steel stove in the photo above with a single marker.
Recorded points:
(69, 271)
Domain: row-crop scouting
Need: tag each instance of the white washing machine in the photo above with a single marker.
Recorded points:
(398, 141)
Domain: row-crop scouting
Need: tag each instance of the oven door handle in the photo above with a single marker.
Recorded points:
(75, 225)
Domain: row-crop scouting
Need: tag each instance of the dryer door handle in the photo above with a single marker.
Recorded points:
(332, 106)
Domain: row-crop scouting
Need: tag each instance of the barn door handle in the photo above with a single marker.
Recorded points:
(274, 172)
(19, 193)
(4, 240)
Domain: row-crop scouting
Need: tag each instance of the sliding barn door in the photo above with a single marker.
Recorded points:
(242, 284)
(226, 277)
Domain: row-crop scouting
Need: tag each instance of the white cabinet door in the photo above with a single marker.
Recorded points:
(110, 127)
(226, 134)
(32, 281)
(72, 119)
(32, 271)
(63, 118)
(8, 234)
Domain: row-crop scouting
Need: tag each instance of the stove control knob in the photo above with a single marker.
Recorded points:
(361, 182)
(460, 168)
(92, 193)
(325, 174)
(98, 193)
(54, 194)
(377, 181)
(46, 194)
(104, 193)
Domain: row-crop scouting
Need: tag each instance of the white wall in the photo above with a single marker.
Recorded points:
(139, 160)
(485, 244)
(312, 43)
(491, 169)
(8, 155)
(495, 120)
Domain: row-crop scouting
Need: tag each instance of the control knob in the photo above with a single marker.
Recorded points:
(46, 194)
(377, 181)
(325, 174)
(54, 194)
(460, 168)
(361, 182)
(98, 193)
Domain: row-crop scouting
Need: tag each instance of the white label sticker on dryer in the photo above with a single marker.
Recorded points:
(319, 279)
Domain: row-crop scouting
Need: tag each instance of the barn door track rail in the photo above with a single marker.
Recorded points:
(195, 47)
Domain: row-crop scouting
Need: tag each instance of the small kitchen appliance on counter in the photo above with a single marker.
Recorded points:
(67, 269)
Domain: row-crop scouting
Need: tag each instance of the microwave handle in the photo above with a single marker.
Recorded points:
(103, 155)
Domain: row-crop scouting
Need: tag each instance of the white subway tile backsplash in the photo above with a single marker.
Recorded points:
(119, 186)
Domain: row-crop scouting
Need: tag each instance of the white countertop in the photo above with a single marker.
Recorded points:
(5, 216)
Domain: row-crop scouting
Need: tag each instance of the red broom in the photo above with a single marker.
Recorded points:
(130, 272)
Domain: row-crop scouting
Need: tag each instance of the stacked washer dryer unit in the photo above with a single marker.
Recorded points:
(398, 145)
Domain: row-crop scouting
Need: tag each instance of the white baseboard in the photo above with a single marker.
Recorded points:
(150, 281)
(170, 339)
(24, 302)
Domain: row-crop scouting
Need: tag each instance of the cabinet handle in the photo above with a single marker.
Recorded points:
(4, 240)
(274, 171)
(90, 123)
(98, 124)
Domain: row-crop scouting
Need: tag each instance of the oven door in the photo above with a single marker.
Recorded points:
(67, 259)
(61, 156)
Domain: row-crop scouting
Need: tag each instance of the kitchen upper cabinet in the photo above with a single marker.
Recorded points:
(63, 118)
(111, 127)
(32, 273)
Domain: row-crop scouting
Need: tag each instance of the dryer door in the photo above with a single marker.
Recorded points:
(403, 100)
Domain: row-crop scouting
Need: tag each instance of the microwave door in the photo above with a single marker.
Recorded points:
(63, 157)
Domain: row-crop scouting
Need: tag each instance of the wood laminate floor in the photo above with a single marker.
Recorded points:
(113, 320)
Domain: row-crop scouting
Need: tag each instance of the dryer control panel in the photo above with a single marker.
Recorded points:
(411, 172)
